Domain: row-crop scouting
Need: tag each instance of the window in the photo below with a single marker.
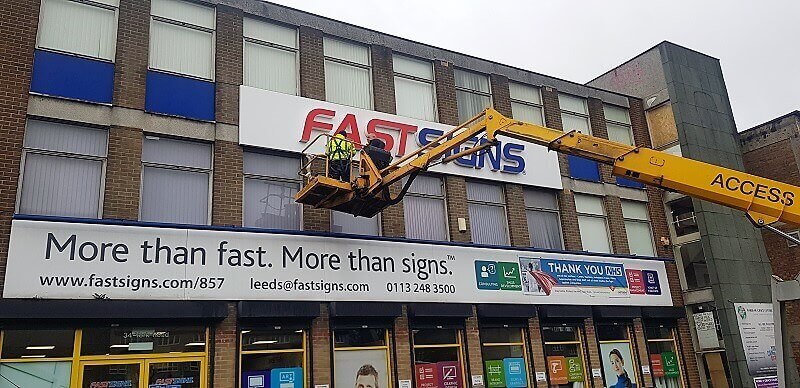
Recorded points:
(574, 113)
(526, 103)
(563, 348)
(62, 172)
(270, 56)
(348, 75)
(267, 355)
(616, 355)
(544, 227)
(592, 223)
(176, 176)
(438, 352)
(182, 38)
(618, 123)
(52, 351)
(362, 354)
(695, 268)
(637, 227)
(505, 356)
(472, 94)
(270, 184)
(348, 223)
(684, 221)
(414, 88)
(664, 361)
(487, 213)
(424, 209)
(78, 27)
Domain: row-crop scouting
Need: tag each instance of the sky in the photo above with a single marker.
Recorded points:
(577, 40)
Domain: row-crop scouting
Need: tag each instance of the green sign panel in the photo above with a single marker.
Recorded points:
(574, 369)
(670, 362)
(495, 375)
(509, 276)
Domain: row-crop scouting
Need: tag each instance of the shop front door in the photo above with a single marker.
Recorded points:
(143, 373)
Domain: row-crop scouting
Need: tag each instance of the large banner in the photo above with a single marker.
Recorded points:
(290, 123)
(81, 260)
(757, 329)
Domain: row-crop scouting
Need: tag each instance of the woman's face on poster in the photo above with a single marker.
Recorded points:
(617, 364)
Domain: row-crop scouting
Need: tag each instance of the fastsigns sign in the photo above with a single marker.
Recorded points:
(290, 123)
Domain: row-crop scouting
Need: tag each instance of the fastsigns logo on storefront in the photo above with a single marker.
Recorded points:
(290, 123)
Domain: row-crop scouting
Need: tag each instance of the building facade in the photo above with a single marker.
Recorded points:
(150, 237)
(721, 257)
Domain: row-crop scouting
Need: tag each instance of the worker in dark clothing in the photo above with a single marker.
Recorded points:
(340, 154)
(376, 150)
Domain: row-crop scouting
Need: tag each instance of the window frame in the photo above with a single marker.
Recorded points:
(604, 217)
(503, 205)
(676, 348)
(443, 198)
(563, 112)
(340, 61)
(524, 344)
(539, 106)
(627, 125)
(632, 345)
(295, 51)
(556, 211)
(648, 221)
(213, 59)
(304, 351)
(473, 91)
(268, 178)
(378, 219)
(580, 342)
(386, 347)
(63, 154)
(459, 345)
(431, 82)
(209, 171)
(89, 3)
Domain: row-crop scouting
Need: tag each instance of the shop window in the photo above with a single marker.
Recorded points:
(182, 38)
(62, 173)
(592, 223)
(348, 73)
(424, 209)
(526, 103)
(544, 225)
(637, 228)
(438, 358)
(617, 355)
(176, 176)
(270, 56)
(414, 88)
(270, 184)
(361, 358)
(273, 355)
(664, 360)
(505, 356)
(487, 213)
(473, 94)
(126, 340)
(348, 223)
(87, 29)
(563, 350)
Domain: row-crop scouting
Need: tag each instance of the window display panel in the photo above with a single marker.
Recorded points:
(45, 374)
(505, 357)
(174, 374)
(273, 358)
(563, 350)
(127, 340)
(664, 361)
(111, 375)
(361, 358)
(616, 356)
(438, 358)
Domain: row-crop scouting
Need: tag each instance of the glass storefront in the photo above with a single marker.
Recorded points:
(617, 355)
(505, 357)
(665, 366)
(273, 355)
(563, 350)
(361, 358)
(438, 358)
(124, 357)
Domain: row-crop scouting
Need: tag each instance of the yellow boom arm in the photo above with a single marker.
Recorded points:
(765, 201)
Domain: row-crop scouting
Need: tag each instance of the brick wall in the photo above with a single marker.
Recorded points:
(537, 352)
(552, 119)
(473, 342)
(690, 369)
(225, 339)
(593, 352)
(501, 96)
(402, 347)
(228, 63)
(228, 180)
(517, 218)
(616, 225)
(123, 173)
(383, 79)
(321, 348)
(569, 221)
(641, 347)
(130, 63)
(445, 92)
(597, 121)
(456, 192)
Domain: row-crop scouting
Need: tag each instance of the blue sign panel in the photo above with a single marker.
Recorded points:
(516, 376)
(70, 76)
(256, 379)
(652, 286)
(585, 273)
(179, 96)
(286, 378)
(583, 169)
(486, 275)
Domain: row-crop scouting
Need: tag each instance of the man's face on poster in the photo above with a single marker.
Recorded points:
(368, 381)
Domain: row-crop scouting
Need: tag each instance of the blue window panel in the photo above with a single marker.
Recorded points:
(629, 183)
(72, 77)
(583, 169)
(179, 96)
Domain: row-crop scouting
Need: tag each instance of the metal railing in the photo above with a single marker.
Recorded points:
(308, 160)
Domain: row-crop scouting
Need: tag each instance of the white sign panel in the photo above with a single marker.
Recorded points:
(289, 123)
(706, 329)
(79, 260)
(757, 328)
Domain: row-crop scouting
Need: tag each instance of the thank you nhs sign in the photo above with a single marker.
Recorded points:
(290, 123)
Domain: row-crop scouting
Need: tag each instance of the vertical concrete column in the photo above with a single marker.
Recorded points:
(538, 360)
(690, 371)
(321, 344)
(501, 96)
(473, 337)
(17, 40)
(517, 219)
(456, 191)
(130, 63)
(229, 68)
(597, 121)
(644, 357)
(446, 92)
(223, 369)
(593, 351)
(616, 225)
(569, 221)
(402, 346)
(123, 173)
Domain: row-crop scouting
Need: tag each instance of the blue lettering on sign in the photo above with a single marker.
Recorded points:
(503, 156)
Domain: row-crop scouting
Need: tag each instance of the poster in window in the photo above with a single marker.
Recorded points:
(618, 366)
(656, 365)
(495, 374)
(575, 369)
(557, 366)
(515, 372)
(361, 368)
(427, 375)
(670, 362)
(449, 373)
